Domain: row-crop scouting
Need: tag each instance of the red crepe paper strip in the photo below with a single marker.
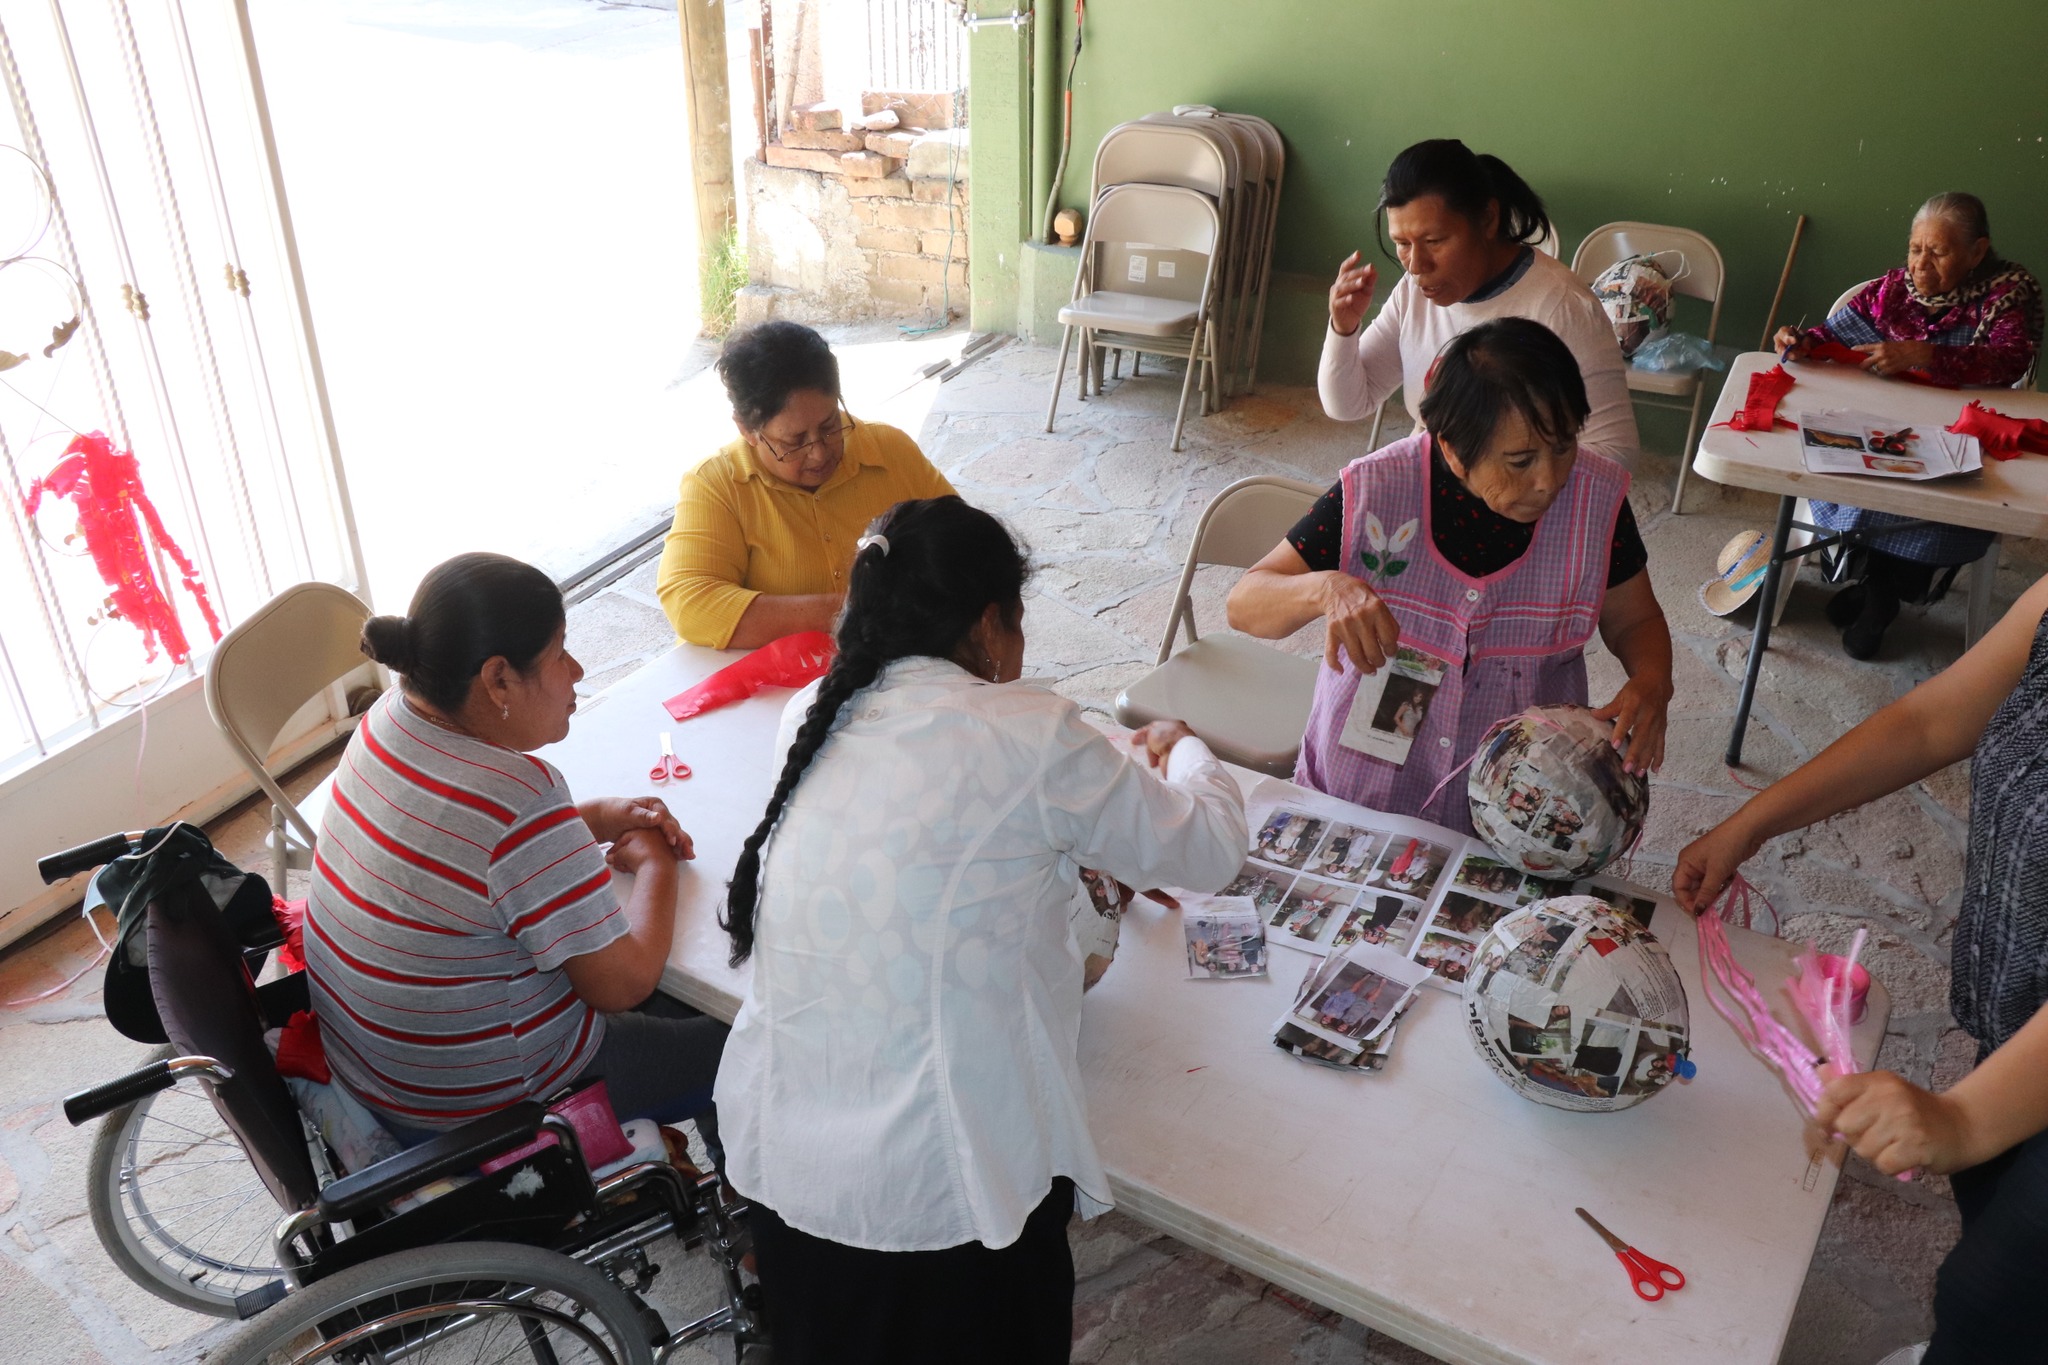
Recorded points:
(793, 661)
(291, 921)
(115, 516)
(300, 1052)
(1759, 410)
(1832, 352)
(2002, 437)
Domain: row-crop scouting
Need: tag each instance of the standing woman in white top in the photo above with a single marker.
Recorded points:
(900, 1096)
(1464, 230)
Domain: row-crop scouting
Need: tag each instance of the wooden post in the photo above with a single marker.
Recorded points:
(771, 131)
(757, 66)
(703, 23)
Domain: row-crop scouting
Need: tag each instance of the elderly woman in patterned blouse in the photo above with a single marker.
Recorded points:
(1956, 314)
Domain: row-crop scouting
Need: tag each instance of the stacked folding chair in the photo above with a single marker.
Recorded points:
(1178, 254)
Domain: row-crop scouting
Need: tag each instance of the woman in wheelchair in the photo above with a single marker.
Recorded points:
(464, 946)
(901, 1096)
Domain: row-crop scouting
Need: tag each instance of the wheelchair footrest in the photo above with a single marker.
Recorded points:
(249, 1304)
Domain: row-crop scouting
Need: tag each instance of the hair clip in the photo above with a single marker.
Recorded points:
(866, 541)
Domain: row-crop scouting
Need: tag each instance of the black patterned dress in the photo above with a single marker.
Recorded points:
(2000, 972)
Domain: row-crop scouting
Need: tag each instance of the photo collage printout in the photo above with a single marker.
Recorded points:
(1324, 875)
(1847, 442)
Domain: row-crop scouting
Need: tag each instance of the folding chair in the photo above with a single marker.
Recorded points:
(1157, 151)
(1242, 215)
(299, 643)
(1702, 278)
(1248, 701)
(1131, 229)
(1259, 286)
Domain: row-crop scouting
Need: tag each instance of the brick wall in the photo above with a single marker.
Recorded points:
(846, 222)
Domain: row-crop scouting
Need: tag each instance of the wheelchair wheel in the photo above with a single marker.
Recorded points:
(177, 1205)
(467, 1301)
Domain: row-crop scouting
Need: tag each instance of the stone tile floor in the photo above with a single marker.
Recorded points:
(1108, 510)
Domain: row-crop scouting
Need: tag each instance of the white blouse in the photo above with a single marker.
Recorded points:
(902, 1075)
(1398, 347)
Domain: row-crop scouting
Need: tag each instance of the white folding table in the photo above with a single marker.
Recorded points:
(2009, 496)
(1428, 1201)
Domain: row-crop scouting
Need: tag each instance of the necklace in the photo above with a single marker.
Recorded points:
(440, 722)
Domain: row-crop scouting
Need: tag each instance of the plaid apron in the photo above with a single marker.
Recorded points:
(1513, 639)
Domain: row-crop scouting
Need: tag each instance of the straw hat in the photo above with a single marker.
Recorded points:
(1738, 572)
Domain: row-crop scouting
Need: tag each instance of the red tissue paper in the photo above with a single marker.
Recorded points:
(2002, 437)
(291, 920)
(124, 536)
(1759, 410)
(300, 1052)
(792, 661)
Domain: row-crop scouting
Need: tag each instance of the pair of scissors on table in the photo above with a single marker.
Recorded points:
(668, 765)
(1649, 1278)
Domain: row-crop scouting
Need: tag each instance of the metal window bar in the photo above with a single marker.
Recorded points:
(917, 45)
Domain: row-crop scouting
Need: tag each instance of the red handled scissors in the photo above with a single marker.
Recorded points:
(668, 765)
(1650, 1278)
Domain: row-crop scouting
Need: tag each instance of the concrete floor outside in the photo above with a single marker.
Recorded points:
(1107, 510)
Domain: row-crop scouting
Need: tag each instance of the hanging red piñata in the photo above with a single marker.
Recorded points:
(114, 516)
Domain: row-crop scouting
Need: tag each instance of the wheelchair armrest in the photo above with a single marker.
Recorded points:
(452, 1153)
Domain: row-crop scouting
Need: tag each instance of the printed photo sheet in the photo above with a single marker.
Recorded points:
(1226, 938)
(1846, 442)
(1387, 713)
(1345, 1009)
(1324, 875)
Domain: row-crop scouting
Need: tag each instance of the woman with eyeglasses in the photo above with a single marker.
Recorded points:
(764, 531)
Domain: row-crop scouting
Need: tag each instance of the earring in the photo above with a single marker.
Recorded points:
(504, 713)
(994, 674)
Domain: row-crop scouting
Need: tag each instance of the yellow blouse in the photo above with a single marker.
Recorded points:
(739, 532)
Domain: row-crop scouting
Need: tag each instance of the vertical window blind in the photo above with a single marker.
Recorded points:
(149, 291)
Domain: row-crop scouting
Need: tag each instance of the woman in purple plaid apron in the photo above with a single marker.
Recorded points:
(1462, 571)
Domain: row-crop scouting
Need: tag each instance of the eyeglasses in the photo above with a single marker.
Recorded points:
(827, 437)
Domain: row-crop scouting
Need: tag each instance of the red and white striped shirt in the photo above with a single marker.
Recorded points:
(452, 881)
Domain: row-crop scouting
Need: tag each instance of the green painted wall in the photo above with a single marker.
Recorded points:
(1728, 118)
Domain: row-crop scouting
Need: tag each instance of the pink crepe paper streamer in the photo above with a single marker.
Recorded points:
(1822, 1000)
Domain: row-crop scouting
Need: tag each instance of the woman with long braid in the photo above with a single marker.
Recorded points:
(900, 1097)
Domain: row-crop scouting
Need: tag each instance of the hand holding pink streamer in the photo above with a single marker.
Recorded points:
(1822, 999)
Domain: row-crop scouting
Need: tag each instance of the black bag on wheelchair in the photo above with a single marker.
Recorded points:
(171, 864)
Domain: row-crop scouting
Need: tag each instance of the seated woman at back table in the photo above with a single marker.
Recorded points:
(1463, 228)
(463, 944)
(1956, 313)
(764, 529)
(902, 1097)
(1501, 545)
(1989, 1132)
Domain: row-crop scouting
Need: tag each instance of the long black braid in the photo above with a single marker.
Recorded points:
(945, 564)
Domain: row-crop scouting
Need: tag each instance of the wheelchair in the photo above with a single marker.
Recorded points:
(420, 1256)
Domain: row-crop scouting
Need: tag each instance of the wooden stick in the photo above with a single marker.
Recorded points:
(758, 65)
(1784, 277)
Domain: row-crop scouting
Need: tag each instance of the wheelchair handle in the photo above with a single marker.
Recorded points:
(56, 867)
(87, 1105)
